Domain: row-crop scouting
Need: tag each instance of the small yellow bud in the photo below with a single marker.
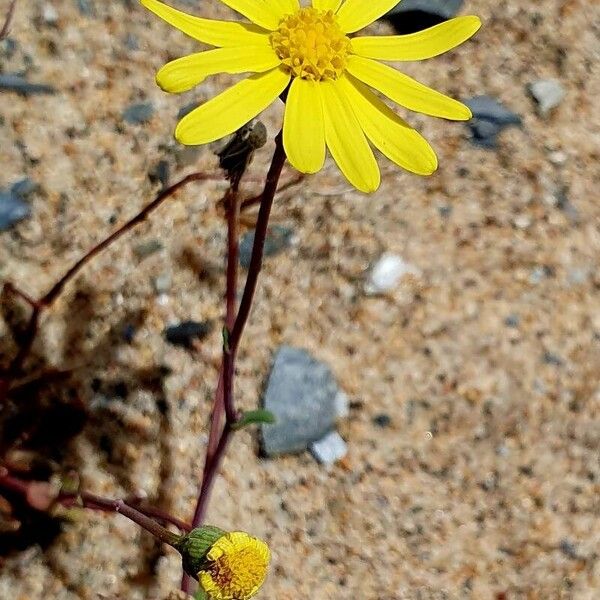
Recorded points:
(229, 566)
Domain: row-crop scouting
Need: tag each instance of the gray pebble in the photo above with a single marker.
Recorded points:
(147, 248)
(12, 82)
(301, 393)
(13, 207)
(131, 42)
(553, 359)
(490, 109)
(138, 114)
(568, 548)
(490, 117)
(162, 283)
(12, 210)
(24, 187)
(538, 274)
(160, 173)
(278, 238)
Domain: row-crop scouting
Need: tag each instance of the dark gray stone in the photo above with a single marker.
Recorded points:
(490, 117)
(131, 42)
(24, 187)
(12, 82)
(160, 173)
(138, 114)
(409, 16)
(382, 420)
(569, 549)
(12, 210)
(278, 238)
(442, 8)
(185, 333)
(13, 207)
(553, 359)
(301, 393)
(512, 321)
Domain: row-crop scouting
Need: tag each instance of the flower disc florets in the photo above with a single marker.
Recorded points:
(311, 44)
(235, 567)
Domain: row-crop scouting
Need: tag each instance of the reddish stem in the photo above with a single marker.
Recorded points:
(160, 515)
(9, 16)
(233, 218)
(212, 462)
(94, 502)
(57, 288)
(214, 455)
(249, 202)
(260, 236)
(38, 306)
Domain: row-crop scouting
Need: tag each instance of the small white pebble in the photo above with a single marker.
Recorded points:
(329, 449)
(387, 272)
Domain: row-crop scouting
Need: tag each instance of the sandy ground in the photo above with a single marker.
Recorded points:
(486, 483)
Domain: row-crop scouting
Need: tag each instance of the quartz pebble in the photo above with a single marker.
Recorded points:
(387, 272)
(548, 93)
(329, 449)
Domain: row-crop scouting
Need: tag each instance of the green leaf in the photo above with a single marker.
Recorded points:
(255, 417)
(200, 594)
(226, 335)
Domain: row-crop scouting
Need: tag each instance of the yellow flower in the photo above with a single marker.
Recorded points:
(327, 74)
(235, 567)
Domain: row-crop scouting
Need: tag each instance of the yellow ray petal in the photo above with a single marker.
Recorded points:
(356, 14)
(346, 140)
(209, 31)
(326, 4)
(262, 12)
(231, 109)
(390, 134)
(185, 73)
(285, 7)
(303, 127)
(418, 46)
(406, 91)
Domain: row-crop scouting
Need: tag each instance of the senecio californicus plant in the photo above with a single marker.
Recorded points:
(308, 57)
(307, 54)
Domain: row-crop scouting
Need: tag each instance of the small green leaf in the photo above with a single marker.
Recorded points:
(226, 339)
(200, 594)
(255, 417)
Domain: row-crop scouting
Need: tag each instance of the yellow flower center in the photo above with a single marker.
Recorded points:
(311, 44)
(236, 567)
